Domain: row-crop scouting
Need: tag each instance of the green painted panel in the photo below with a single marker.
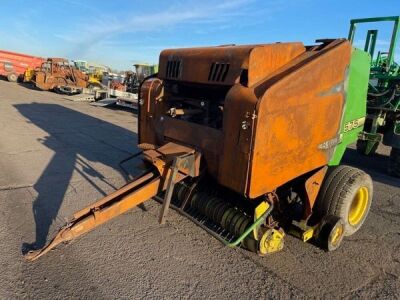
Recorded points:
(356, 88)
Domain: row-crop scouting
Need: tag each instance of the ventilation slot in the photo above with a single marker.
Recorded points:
(218, 72)
(173, 68)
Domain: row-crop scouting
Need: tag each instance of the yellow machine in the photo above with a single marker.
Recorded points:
(29, 74)
(94, 71)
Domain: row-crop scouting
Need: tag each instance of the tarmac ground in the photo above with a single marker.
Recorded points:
(58, 156)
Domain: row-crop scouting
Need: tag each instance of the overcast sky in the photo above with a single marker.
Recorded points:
(119, 33)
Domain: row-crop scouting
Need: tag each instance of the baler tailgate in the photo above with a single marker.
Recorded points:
(113, 205)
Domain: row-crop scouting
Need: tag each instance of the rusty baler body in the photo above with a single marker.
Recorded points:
(262, 124)
(271, 109)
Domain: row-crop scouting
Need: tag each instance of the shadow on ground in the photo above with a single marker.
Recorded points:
(375, 165)
(77, 140)
(29, 85)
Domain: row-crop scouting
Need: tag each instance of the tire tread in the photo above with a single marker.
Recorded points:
(334, 199)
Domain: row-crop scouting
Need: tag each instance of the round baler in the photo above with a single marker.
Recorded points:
(246, 141)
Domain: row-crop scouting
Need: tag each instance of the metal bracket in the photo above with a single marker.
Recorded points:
(185, 161)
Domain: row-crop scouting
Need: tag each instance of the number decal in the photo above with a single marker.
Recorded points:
(354, 124)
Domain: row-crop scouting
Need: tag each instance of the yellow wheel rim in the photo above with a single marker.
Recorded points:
(358, 206)
(337, 234)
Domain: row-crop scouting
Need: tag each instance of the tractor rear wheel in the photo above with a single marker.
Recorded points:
(347, 194)
(12, 77)
(394, 163)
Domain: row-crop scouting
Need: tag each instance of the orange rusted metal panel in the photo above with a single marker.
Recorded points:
(200, 59)
(312, 186)
(238, 130)
(204, 138)
(296, 115)
(265, 60)
(227, 62)
(151, 108)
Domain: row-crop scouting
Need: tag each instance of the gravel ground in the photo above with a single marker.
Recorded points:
(58, 156)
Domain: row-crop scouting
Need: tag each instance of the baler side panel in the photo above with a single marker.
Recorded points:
(297, 117)
(194, 135)
(239, 108)
(356, 106)
(149, 111)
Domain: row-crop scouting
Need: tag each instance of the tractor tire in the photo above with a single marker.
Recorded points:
(362, 147)
(394, 162)
(347, 194)
(12, 77)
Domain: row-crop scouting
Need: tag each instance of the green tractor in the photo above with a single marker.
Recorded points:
(383, 102)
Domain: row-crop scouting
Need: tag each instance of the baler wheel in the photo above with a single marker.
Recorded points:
(271, 241)
(331, 233)
(347, 194)
(394, 163)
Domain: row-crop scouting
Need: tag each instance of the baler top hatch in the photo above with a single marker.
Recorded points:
(226, 65)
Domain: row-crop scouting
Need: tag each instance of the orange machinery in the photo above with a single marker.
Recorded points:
(247, 142)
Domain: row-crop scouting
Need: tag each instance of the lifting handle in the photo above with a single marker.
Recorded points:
(182, 161)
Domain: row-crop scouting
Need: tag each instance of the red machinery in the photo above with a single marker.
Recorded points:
(13, 65)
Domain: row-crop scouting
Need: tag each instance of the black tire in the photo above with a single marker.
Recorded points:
(362, 147)
(12, 77)
(394, 162)
(347, 194)
(331, 233)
